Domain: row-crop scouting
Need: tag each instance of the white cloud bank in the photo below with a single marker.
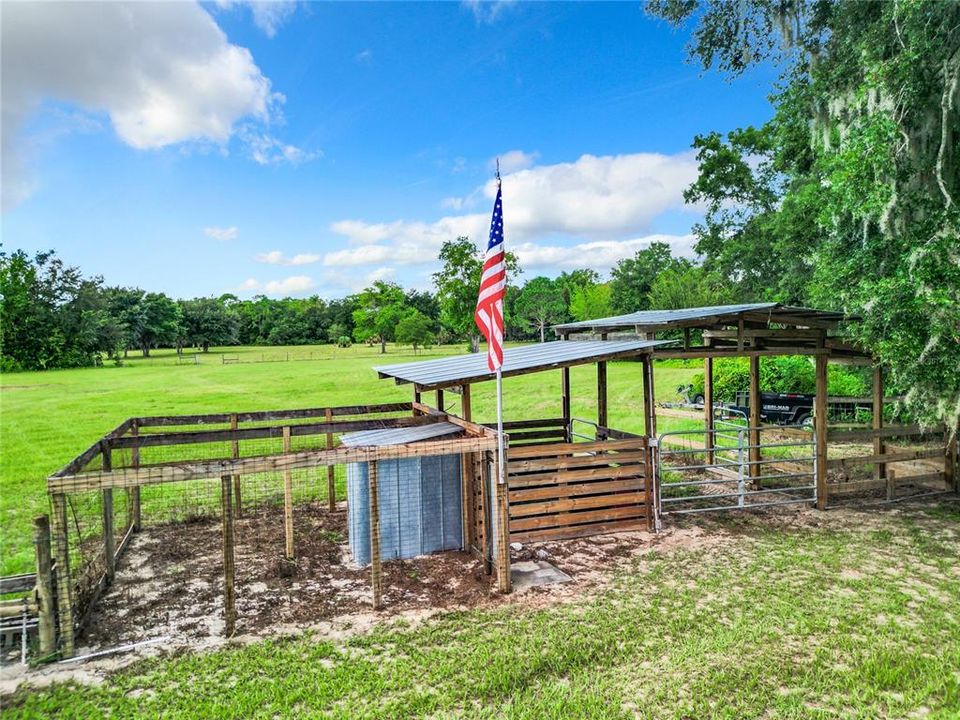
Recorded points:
(164, 73)
(612, 200)
(275, 257)
(287, 287)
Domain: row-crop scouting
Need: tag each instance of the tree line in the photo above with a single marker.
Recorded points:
(56, 317)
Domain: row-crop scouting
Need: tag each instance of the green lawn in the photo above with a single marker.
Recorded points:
(837, 614)
(47, 418)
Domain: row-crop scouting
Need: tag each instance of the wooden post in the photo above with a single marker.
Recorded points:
(440, 400)
(64, 583)
(109, 537)
(709, 426)
(46, 620)
(754, 420)
(287, 498)
(879, 446)
(416, 398)
(235, 448)
(376, 571)
(565, 403)
(133, 498)
(950, 461)
(503, 537)
(649, 413)
(331, 484)
(602, 419)
(229, 568)
(891, 485)
(466, 469)
(820, 431)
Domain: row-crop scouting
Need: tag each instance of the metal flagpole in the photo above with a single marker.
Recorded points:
(500, 444)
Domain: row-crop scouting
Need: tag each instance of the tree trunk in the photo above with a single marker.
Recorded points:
(383, 345)
(206, 347)
(146, 350)
(542, 331)
(474, 343)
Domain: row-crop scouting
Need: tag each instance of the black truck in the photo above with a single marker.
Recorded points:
(779, 408)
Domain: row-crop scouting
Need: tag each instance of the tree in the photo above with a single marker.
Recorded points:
(209, 322)
(860, 162)
(380, 308)
(540, 303)
(570, 282)
(632, 278)
(684, 287)
(157, 323)
(415, 329)
(591, 302)
(458, 283)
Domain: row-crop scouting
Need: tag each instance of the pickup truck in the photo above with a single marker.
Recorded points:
(779, 408)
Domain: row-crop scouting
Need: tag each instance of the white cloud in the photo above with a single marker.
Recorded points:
(364, 57)
(514, 160)
(268, 15)
(487, 11)
(293, 285)
(600, 255)
(164, 74)
(275, 257)
(265, 149)
(221, 233)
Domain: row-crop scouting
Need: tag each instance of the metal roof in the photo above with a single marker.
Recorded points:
(399, 436)
(667, 318)
(462, 369)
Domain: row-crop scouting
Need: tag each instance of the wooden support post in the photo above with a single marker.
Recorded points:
(287, 499)
(331, 484)
(879, 469)
(416, 398)
(61, 547)
(649, 412)
(820, 431)
(710, 439)
(565, 403)
(106, 505)
(950, 461)
(440, 400)
(754, 420)
(891, 485)
(503, 537)
(466, 470)
(46, 615)
(376, 571)
(133, 497)
(229, 568)
(235, 449)
(602, 419)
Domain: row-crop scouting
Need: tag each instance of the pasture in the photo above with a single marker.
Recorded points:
(49, 417)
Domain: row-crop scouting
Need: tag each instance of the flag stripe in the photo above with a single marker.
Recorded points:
(493, 285)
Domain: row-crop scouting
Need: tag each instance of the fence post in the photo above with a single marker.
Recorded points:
(331, 485)
(235, 451)
(287, 499)
(754, 421)
(109, 539)
(820, 431)
(879, 447)
(133, 498)
(229, 568)
(64, 583)
(46, 628)
(376, 577)
(708, 407)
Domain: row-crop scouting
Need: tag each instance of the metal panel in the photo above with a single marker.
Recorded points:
(399, 436)
(517, 360)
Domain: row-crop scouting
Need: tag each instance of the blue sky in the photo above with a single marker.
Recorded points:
(293, 149)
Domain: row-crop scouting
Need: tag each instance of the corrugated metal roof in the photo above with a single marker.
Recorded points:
(399, 436)
(665, 318)
(460, 369)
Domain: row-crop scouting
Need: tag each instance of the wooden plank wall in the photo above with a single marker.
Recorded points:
(567, 490)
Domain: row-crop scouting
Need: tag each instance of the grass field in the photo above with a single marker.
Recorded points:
(46, 418)
(818, 615)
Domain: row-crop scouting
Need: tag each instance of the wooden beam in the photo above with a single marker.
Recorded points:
(879, 470)
(109, 536)
(732, 351)
(376, 571)
(565, 401)
(754, 434)
(708, 409)
(440, 400)
(602, 419)
(287, 500)
(235, 453)
(466, 474)
(820, 431)
(61, 547)
(229, 568)
(885, 432)
(269, 415)
(133, 498)
(649, 419)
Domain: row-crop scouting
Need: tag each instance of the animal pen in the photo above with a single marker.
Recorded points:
(417, 478)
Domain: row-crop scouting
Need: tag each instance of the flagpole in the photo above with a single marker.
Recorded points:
(501, 453)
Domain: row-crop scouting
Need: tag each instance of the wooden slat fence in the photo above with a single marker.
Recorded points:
(566, 490)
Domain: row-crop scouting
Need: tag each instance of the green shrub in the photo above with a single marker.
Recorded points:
(787, 374)
(344, 341)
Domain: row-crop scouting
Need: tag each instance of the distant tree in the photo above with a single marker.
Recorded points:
(158, 322)
(415, 329)
(209, 322)
(632, 278)
(458, 283)
(591, 302)
(123, 304)
(540, 303)
(426, 303)
(570, 282)
(380, 308)
(683, 287)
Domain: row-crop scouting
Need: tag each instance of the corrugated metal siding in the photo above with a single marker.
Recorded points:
(420, 507)
(399, 436)
(665, 317)
(473, 367)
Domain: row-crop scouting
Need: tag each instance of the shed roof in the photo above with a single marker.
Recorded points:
(464, 369)
(399, 436)
(692, 317)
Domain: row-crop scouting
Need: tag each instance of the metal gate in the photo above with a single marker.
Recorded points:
(733, 474)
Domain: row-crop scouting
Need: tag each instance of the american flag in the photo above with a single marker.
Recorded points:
(493, 285)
